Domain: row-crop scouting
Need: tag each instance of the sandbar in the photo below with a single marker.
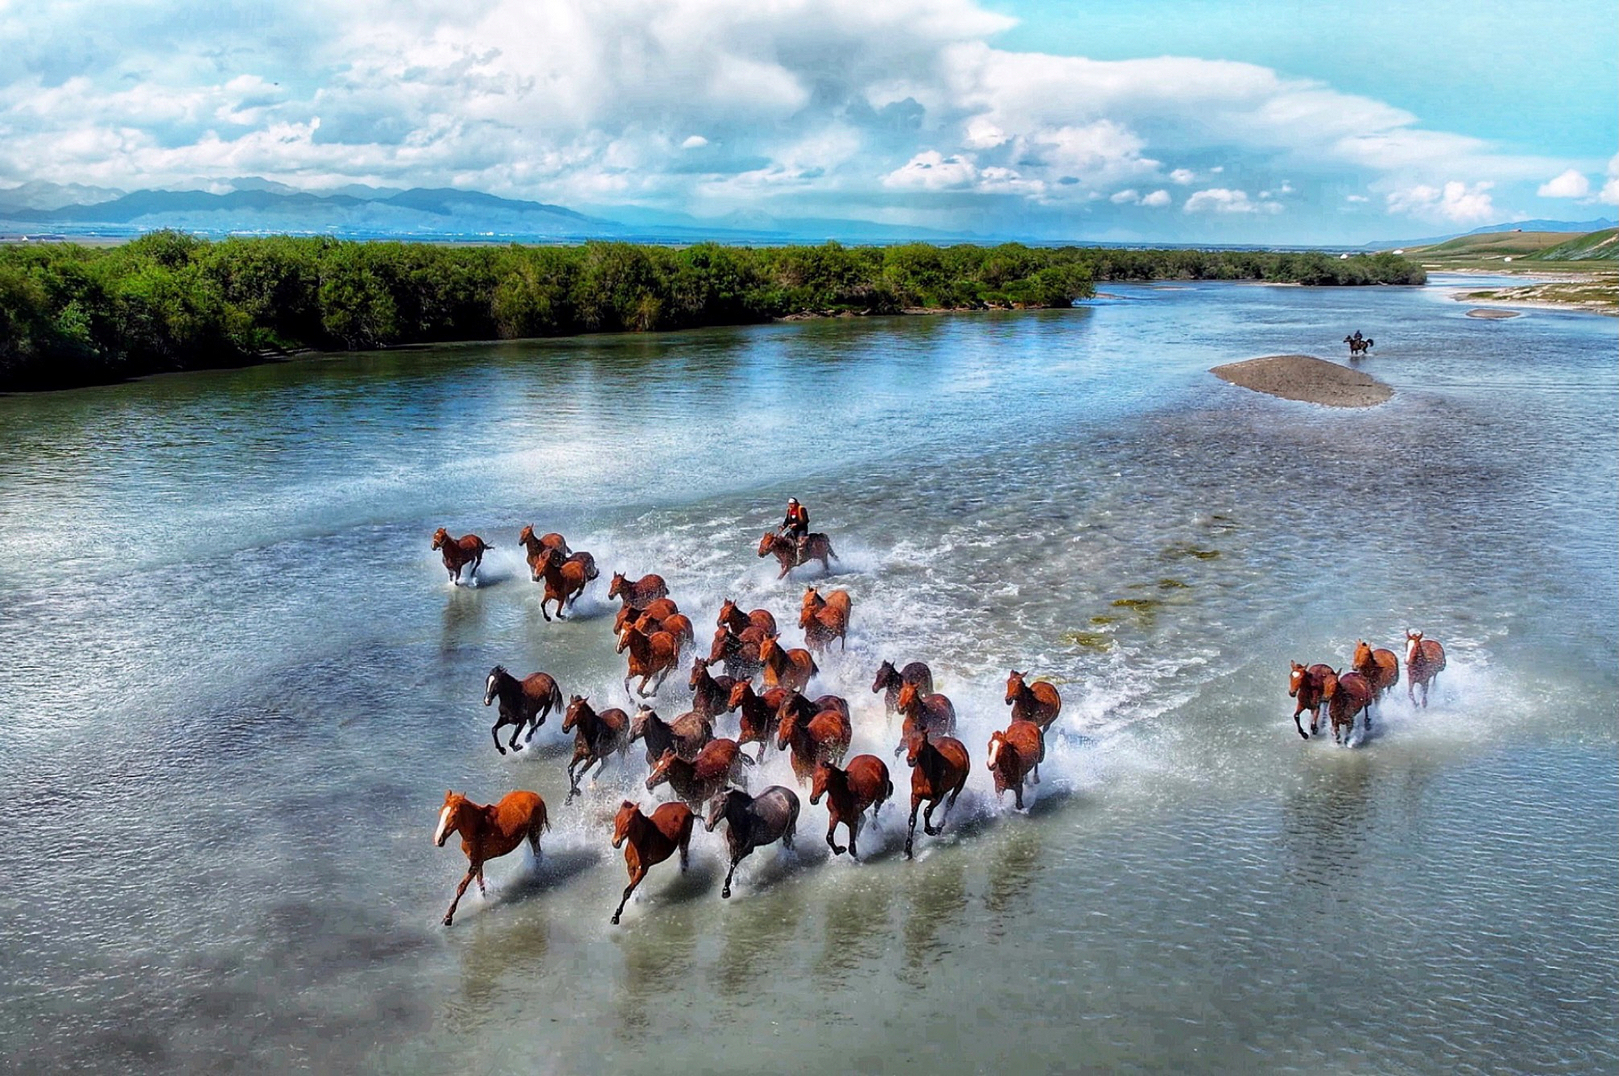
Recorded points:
(1306, 378)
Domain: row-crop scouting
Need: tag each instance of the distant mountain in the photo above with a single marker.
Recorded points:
(39, 194)
(1578, 227)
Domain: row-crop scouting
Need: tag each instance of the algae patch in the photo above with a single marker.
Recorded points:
(1089, 640)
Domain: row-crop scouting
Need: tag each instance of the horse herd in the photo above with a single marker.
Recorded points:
(708, 773)
(1349, 694)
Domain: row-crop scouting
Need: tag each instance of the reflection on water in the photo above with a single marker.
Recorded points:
(937, 892)
(857, 927)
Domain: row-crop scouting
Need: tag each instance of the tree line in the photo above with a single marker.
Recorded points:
(170, 301)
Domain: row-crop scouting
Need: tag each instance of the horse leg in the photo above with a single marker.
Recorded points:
(534, 842)
(1299, 724)
(910, 834)
(927, 818)
(494, 730)
(1017, 797)
(460, 889)
(635, 879)
(951, 802)
(517, 730)
(725, 891)
(831, 831)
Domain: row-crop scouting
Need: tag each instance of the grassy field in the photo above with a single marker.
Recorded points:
(1584, 268)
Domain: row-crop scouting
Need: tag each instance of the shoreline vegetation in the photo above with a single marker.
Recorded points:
(1306, 378)
(72, 315)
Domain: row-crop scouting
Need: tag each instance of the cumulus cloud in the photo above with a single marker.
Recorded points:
(1570, 184)
(1225, 200)
(1610, 189)
(694, 142)
(1156, 200)
(1455, 202)
(1126, 197)
(1182, 176)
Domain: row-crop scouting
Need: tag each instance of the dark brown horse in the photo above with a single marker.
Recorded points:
(1038, 702)
(823, 737)
(676, 624)
(825, 619)
(489, 832)
(757, 713)
(785, 668)
(732, 617)
(817, 546)
(934, 714)
(753, 822)
(849, 791)
(1312, 687)
(1381, 667)
(649, 655)
(639, 594)
(889, 681)
(599, 736)
(629, 614)
(1352, 696)
(533, 547)
(651, 840)
(699, 780)
(1358, 345)
(686, 735)
(739, 653)
(1424, 661)
(710, 695)
(525, 702)
(460, 552)
(564, 580)
(939, 768)
(1014, 755)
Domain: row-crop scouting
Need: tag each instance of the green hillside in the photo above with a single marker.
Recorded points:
(1496, 245)
(1593, 246)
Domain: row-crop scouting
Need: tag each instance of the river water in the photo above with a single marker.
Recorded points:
(237, 683)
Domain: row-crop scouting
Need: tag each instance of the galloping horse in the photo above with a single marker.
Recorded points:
(650, 655)
(651, 841)
(1312, 687)
(939, 768)
(825, 619)
(676, 624)
(532, 547)
(459, 552)
(817, 546)
(753, 822)
(565, 580)
(849, 791)
(1424, 661)
(1038, 702)
(1381, 667)
(824, 737)
(732, 617)
(599, 736)
(1352, 696)
(522, 702)
(890, 682)
(710, 694)
(739, 653)
(719, 763)
(639, 594)
(629, 614)
(757, 713)
(1014, 755)
(935, 714)
(686, 735)
(489, 832)
(1358, 345)
(785, 668)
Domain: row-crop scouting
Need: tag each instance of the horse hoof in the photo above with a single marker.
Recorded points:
(447, 920)
(615, 920)
(725, 894)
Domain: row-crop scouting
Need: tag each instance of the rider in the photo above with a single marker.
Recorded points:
(796, 524)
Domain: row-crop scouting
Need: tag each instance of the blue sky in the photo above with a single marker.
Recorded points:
(1175, 120)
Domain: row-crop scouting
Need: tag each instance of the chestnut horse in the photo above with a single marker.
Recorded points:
(532, 547)
(849, 791)
(817, 546)
(599, 736)
(718, 764)
(733, 618)
(676, 624)
(1381, 667)
(753, 822)
(524, 702)
(939, 768)
(710, 694)
(459, 552)
(935, 714)
(758, 713)
(629, 614)
(1037, 702)
(1014, 755)
(890, 682)
(738, 652)
(650, 655)
(489, 832)
(825, 619)
(685, 735)
(785, 668)
(1352, 696)
(1312, 687)
(823, 737)
(1424, 661)
(651, 840)
(639, 594)
(565, 580)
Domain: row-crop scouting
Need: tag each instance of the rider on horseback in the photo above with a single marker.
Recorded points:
(796, 525)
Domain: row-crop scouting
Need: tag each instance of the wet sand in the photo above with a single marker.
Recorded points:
(1306, 378)
(1492, 314)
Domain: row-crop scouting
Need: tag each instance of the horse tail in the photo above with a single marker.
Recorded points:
(555, 701)
(830, 551)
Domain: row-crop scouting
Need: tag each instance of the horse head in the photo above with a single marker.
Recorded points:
(767, 544)
(491, 686)
(769, 646)
(526, 535)
(812, 598)
(624, 637)
(441, 538)
(576, 708)
(1413, 645)
(639, 722)
(885, 674)
(449, 817)
(996, 741)
(699, 668)
(722, 806)
(660, 769)
(728, 610)
(909, 695)
(1297, 679)
(617, 585)
(621, 821)
(1363, 653)
(787, 717)
(824, 772)
(1014, 686)
(914, 745)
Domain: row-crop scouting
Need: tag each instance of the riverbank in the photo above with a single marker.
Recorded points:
(1307, 379)
(1591, 293)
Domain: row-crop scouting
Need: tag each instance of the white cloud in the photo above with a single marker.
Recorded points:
(1570, 184)
(1224, 200)
(1182, 176)
(1156, 200)
(932, 171)
(694, 142)
(1126, 197)
(1357, 198)
(1455, 202)
(1610, 189)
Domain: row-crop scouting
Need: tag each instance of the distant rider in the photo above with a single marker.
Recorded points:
(796, 525)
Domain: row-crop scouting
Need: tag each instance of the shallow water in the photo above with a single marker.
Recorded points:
(238, 683)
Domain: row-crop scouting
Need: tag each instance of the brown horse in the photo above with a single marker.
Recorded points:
(1381, 667)
(650, 655)
(710, 695)
(565, 580)
(753, 822)
(676, 624)
(686, 735)
(651, 840)
(758, 713)
(1358, 345)
(1424, 661)
(824, 737)
(699, 780)
(1014, 755)
(849, 791)
(629, 614)
(599, 736)
(525, 702)
(1352, 696)
(532, 547)
(889, 681)
(1312, 687)
(785, 668)
(489, 832)
(1038, 702)
(825, 619)
(817, 546)
(939, 768)
(739, 653)
(732, 617)
(934, 714)
(639, 594)
(459, 552)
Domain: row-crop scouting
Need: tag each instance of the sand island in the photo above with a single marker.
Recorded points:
(1306, 378)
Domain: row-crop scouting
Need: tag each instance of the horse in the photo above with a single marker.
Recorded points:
(564, 580)
(1358, 345)
(863, 783)
(699, 780)
(1381, 667)
(522, 702)
(676, 624)
(1352, 696)
(1312, 687)
(785, 668)
(738, 652)
(890, 682)
(599, 736)
(650, 655)
(651, 841)
(933, 713)
(758, 714)
(822, 737)
(732, 617)
(459, 552)
(710, 694)
(1014, 755)
(1424, 661)
(532, 547)
(817, 546)
(1038, 702)
(825, 619)
(939, 768)
(629, 614)
(753, 822)
(489, 831)
(686, 735)
(639, 594)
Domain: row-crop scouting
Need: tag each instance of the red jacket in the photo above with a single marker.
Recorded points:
(797, 516)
